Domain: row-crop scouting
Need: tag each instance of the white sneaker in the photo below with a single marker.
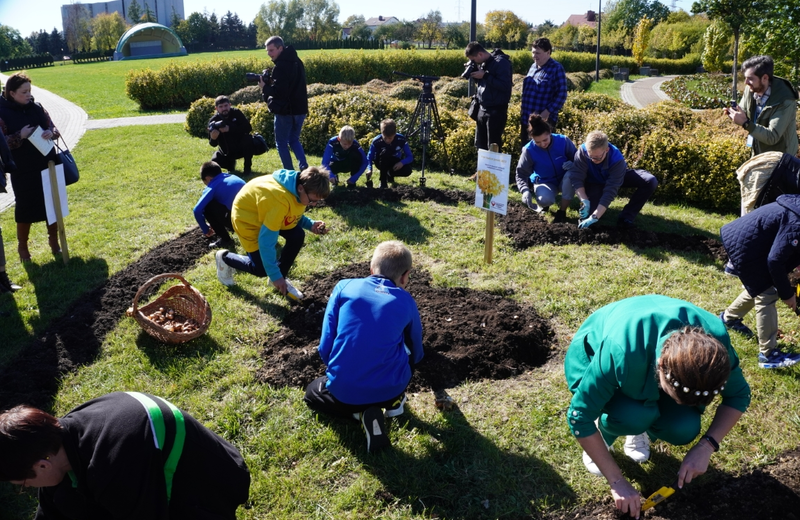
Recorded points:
(637, 447)
(292, 292)
(224, 271)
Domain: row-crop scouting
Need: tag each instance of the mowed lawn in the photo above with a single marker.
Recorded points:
(505, 453)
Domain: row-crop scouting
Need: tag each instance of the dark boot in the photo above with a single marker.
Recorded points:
(23, 232)
(52, 238)
(561, 217)
(248, 165)
(7, 285)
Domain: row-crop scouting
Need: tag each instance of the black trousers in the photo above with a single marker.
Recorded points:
(385, 164)
(219, 217)
(489, 127)
(228, 161)
(251, 263)
(318, 398)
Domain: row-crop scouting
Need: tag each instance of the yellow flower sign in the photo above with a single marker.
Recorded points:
(492, 192)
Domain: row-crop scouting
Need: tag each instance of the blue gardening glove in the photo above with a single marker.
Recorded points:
(584, 210)
(567, 166)
(535, 178)
(585, 223)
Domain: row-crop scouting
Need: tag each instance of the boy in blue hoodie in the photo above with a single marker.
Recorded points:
(215, 203)
(371, 339)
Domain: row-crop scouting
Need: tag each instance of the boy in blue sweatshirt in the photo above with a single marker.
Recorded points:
(216, 202)
(343, 154)
(371, 339)
(390, 153)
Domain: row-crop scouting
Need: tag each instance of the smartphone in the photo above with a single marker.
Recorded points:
(733, 104)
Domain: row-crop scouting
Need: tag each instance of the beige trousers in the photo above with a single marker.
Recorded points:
(766, 316)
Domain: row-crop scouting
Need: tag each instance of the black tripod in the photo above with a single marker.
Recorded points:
(427, 114)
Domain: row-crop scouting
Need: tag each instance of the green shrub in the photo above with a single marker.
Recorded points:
(405, 90)
(243, 96)
(573, 118)
(700, 90)
(451, 87)
(318, 89)
(625, 127)
(696, 166)
(579, 81)
(197, 117)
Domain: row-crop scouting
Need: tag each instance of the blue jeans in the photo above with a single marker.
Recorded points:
(287, 134)
(642, 181)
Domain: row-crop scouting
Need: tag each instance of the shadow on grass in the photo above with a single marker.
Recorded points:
(163, 356)
(460, 473)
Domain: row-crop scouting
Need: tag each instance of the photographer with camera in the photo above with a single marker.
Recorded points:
(285, 93)
(230, 130)
(492, 73)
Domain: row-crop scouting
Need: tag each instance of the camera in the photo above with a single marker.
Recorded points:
(216, 125)
(254, 76)
(733, 104)
(470, 68)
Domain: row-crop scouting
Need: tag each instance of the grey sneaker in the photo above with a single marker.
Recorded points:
(224, 271)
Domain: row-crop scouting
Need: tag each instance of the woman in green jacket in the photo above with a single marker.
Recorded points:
(646, 367)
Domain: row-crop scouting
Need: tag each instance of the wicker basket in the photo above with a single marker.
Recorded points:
(183, 299)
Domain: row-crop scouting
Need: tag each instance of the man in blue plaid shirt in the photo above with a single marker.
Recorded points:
(544, 89)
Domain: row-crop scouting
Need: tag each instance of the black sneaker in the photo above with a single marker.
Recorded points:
(561, 217)
(375, 429)
(736, 325)
(7, 285)
(624, 223)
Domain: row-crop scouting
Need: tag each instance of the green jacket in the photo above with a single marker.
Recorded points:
(775, 130)
(616, 350)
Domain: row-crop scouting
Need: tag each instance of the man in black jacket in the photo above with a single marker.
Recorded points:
(230, 130)
(493, 75)
(285, 93)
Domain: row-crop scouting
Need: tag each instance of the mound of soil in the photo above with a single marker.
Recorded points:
(770, 492)
(467, 334)
(529, 229)
(75, 338)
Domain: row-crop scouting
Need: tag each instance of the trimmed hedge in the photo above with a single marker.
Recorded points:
(27, 62)
(718, 85)
(694, 162)
(176, 86)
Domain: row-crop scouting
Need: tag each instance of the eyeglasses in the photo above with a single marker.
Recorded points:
(600, 157)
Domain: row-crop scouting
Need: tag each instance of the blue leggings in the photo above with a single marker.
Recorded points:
(666, 420)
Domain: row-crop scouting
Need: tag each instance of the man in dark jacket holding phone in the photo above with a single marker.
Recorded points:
(284, 91)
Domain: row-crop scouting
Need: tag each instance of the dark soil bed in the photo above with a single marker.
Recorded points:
(771, 492)
(467, 335)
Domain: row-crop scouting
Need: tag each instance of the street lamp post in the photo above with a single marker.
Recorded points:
(597, 59)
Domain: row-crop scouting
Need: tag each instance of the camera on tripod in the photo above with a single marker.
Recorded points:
(471, 67)
(254, 76)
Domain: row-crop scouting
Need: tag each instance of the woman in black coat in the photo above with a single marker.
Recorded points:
(19, 117)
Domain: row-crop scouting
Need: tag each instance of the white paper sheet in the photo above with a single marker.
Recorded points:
(43, 145)
(48, 194)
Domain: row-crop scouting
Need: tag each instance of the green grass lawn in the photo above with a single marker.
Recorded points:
(609, 87)
(506, 454)
(99, 88)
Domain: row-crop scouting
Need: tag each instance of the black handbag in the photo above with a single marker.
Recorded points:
(259, 144)
(474, 108)
(71, 174)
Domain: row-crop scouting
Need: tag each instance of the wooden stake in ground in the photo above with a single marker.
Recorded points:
(488, 242)
(62, 233)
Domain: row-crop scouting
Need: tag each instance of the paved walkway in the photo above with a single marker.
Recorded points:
(645, 91)
(72, 121)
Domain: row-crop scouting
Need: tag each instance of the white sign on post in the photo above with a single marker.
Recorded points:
(48, 195)
(491, 192)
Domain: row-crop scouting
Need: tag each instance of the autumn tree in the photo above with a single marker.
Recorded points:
(77, 27)
(278, 18)
(505, 28)
(430, 28)
(641, 39)
(717, 41)
(107, 28)
(320, 19)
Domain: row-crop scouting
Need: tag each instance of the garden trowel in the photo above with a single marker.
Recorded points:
(660, 495)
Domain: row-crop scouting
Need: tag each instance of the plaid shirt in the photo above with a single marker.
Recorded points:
(544, 88)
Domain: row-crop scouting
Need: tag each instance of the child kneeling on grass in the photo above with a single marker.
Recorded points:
(371, 339)
(215, 203)
(268, 207)
(343, 154)
(390, 153)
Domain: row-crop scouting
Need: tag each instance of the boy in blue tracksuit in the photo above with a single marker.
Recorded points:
(215, 203)
(343, 154)
(390, 153)
(371, 339)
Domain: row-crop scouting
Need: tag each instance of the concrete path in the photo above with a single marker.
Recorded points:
(645, 91)
(72, 121)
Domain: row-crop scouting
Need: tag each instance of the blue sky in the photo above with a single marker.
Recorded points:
(29, 16)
